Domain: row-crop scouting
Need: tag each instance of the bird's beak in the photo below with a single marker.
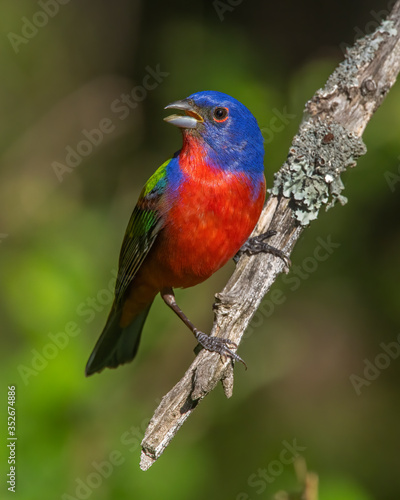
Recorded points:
(190, 119)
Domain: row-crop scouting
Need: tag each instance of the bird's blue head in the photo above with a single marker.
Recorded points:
(226, 129)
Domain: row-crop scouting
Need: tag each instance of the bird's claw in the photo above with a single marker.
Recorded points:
(220, 345)
(256, 244)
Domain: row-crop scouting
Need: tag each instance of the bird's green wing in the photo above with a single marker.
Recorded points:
(144, 225)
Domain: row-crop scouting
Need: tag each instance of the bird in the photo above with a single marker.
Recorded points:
(194, 214)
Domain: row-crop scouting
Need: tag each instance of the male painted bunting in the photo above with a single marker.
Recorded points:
(193, 215)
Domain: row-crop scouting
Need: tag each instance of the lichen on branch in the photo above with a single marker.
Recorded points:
(310, 177)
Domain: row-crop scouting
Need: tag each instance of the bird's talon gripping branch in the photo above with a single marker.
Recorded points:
(256, 244)
(219, 345)
(213, 344)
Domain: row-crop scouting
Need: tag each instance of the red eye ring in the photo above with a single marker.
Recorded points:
(221, 114)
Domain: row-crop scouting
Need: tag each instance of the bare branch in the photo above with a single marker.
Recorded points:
(328, 141)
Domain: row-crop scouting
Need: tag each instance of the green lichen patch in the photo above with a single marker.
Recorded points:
(358, 56)
(311, 173)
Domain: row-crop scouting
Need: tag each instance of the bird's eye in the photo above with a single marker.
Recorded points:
(221, 114)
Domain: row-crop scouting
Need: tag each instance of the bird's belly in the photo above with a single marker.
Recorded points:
(206, 229)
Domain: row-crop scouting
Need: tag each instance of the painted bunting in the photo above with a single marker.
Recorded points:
(193, 215)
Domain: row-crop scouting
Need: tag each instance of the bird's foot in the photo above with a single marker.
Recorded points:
(256, 244)
(219, 345)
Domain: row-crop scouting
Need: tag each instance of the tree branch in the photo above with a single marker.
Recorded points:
(328, 141)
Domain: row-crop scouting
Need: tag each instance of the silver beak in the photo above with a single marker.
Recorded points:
(189, 120)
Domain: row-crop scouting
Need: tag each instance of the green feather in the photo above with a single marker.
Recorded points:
(143, 227)
(157, 180)
(118, 345)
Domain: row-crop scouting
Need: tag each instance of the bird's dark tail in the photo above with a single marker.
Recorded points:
(116, 345)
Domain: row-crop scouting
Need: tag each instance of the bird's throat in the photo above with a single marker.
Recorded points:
(194, 155)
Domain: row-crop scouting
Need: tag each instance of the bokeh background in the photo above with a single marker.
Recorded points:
(61, 230)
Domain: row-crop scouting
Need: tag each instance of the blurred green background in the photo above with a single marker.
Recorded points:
(60, 238)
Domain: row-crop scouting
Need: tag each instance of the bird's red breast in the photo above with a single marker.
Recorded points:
(216, 213)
